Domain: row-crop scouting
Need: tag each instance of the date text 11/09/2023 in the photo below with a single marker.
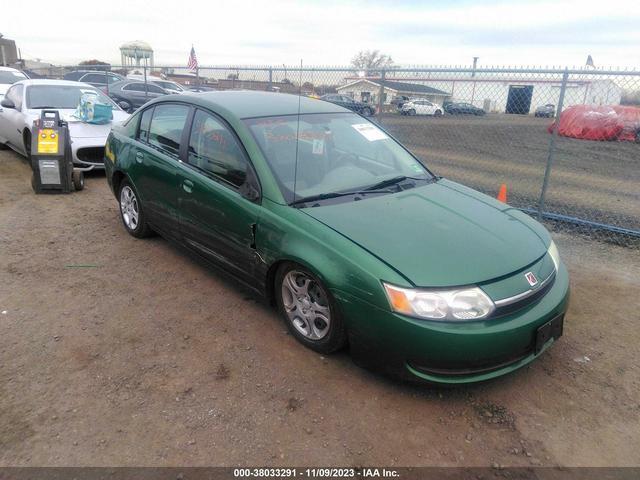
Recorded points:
(315, 473)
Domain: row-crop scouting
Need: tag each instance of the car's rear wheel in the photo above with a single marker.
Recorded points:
(308, 309)
(411, 112)
(438, 113)
(131, 212)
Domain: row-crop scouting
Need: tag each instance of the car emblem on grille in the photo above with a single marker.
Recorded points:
(531, 278)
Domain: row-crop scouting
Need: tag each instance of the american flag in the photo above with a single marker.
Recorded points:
(193, 61)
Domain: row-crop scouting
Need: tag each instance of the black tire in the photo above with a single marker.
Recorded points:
(411, 112)
(27, 146)
(438, 113)
(78, 180)
(4, 146)
(141, 228)
(638, 136)
(335, 337)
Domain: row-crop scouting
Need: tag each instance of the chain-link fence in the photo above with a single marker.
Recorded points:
(480, 127)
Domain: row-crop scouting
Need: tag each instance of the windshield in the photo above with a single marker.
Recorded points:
(9, 77)
(61, 96)
(336, 152)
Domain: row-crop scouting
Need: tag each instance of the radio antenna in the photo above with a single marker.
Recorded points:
(295, 171)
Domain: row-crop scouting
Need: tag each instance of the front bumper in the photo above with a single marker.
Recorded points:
(88, 153)
(445, 352)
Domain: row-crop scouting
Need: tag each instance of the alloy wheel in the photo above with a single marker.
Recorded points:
(129, 207)
(306, 305)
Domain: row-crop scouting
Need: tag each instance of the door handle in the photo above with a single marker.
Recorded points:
(139, 157)
(187, 186)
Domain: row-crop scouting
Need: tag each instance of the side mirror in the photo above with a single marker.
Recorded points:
(6, 103)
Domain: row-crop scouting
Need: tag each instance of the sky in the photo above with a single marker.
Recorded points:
(328, 32)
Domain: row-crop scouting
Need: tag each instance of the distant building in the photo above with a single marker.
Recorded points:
(8, 51)
(503, 93)
(368, 90)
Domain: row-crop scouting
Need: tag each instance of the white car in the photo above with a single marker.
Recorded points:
(421, 107)
(169, 86)
(9, 76)
(24, 102)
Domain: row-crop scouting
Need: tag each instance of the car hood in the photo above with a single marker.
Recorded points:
(79, 129)
(441, 234)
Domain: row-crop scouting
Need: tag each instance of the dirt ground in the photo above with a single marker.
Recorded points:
(118, 351)
(596, 181)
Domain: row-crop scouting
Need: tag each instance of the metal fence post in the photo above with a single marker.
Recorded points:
(270, 79)
(381, 95)
(197, 75)
(106, 80)
(552, 143)
(146, 86)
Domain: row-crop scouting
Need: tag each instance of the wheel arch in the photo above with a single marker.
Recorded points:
(116, 180)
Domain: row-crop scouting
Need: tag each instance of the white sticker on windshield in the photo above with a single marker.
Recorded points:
(318, 147)
(369, 131)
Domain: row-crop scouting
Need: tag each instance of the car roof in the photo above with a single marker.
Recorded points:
(46, 81)
(250, 104)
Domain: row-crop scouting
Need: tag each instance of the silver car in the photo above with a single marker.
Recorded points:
(23, 103)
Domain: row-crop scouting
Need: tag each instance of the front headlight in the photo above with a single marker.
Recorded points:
(554, 254)
(453, 305)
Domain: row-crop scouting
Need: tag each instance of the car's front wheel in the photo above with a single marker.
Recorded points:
(131, 211)
(308, 309)
(411, 112)
(367, 112)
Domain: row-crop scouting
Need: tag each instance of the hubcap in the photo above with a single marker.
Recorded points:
(129, 207)
(306, 305)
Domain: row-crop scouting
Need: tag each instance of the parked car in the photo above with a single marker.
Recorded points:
(548, 111)
(94, 77)
(351, 237)
(132, 94)
(200, 88)
(9, 76)
(169, 86)
(24, 102)
(362, 108)
(399, 100)
(457, 108)
(421, 107)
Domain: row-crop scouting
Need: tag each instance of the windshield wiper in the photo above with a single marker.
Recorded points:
(42, 107)
(325, 196)
(395, 180)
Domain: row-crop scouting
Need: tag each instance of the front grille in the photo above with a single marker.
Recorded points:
(91, 154)
(526, 301)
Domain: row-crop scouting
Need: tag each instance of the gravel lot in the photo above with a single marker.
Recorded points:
(596, 181)
(117, 351)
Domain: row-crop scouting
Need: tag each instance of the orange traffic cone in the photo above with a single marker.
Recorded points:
(502, 193)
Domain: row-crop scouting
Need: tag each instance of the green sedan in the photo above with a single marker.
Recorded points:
(340, 227)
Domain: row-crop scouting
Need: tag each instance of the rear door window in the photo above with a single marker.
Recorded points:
(94, 78)
(166, 128)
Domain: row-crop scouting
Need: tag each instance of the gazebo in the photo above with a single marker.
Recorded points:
(132, 53)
